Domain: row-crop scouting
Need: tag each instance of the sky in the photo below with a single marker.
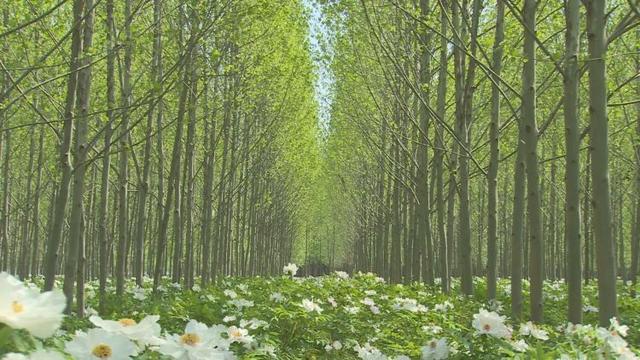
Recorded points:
(321, 52)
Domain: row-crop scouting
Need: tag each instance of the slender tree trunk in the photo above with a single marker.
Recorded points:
(439, 152)
(35, 249)
(23, 266)
(143, 187)
(207, 192)
(572, 234)
(174, 172)
(599, 148)
(103, 207)
(396, 227)
(530, 137)
(588, 233)
(55, 236)
(635, 228)
(76, 243)
(4, 221)
(381, 209)
(188, 200)
(494, 133)
(422, 180)
(517, 232)
(123, 161)
(464, 225)
(6, 213)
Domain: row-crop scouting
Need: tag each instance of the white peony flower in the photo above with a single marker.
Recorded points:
(447, 305)
(267, 350)
(277, 297)
(138, 293)
(254, 324)
(408, 304)
(352, 309)
(199, 342)
(241, 303)
(239, 335)
(36, 355)
(290, 269)
(619, 329)
(310, 306)
(367, 301)
(230, 294)
(436, 349)
(368, 352)
(229, 318)
(100, 344)
(26, 308)
(530, 329)
(433, 329)
(490, 323)
(145, 332)
(342, 275)
(520, 345)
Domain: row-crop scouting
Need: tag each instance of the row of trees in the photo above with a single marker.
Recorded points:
(462, 119)
(153, 138)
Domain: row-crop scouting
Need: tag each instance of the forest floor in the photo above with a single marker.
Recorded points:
(331, 317)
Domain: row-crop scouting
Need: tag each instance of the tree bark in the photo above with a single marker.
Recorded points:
(494, 138)
(599, 149)
(573, 239)
(55, 236)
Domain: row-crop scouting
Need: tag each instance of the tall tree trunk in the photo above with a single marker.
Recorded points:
(55, 236)
(635, 228)
(599, 136)
(4, 221)
(530, 136)
(123, 161)
(494, 133)
(103, 207)
(207, 190)
(173, 174)
(463, 96)
(395, 275)
(35, 249)
(517, 231)
(76, 243)
(23, 268)
(573, 240)
(381, 209)
(439, 152)
(188, 200)
(422, 186)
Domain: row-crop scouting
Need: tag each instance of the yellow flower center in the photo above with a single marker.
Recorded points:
(17, 307)
(127, 322)
(235, 333)
(486, 327)
(190, 339)
(102, 351)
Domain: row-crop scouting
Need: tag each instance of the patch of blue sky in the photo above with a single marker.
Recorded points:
(321, 48)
